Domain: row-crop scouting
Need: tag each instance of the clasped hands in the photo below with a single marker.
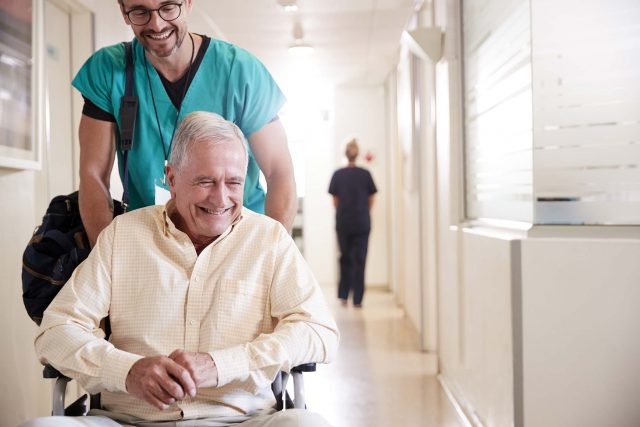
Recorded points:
(163, 380)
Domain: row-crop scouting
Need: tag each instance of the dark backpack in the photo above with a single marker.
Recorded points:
(60, 243)
(57, 247)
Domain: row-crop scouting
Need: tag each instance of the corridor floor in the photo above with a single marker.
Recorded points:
(379, 378)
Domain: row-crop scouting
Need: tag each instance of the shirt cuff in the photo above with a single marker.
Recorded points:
(232, 364)
(116, 367)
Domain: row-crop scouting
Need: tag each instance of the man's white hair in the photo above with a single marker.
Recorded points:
(202, 126)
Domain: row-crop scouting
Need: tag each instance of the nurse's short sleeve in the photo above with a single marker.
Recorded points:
(372, 185)
(257, 97)
(333, 185)
(95, 78)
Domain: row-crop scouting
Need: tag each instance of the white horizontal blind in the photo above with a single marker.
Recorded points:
(498, 109)
(586, 93)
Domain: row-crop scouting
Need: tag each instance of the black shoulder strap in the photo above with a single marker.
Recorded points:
(128, 114)
(128, 88)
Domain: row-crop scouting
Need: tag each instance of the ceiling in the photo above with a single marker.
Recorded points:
(355, 41)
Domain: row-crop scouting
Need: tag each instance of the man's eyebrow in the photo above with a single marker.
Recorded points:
(139, 6)
(203, 178)
(134, 7)
(211, 178)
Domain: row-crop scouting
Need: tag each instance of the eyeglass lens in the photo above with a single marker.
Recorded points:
(167, 12)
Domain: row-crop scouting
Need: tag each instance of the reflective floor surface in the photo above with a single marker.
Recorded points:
(379, 378)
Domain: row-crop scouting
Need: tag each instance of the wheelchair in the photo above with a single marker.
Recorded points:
(86, 402)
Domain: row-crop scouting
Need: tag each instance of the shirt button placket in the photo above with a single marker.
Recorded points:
(193, 324)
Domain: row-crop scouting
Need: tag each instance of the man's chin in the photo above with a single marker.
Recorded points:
(161, 53)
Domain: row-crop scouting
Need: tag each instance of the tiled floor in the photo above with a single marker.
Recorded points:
(380, 378)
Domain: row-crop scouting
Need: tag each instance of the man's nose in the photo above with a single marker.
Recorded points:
(155, 21)
(218, 195)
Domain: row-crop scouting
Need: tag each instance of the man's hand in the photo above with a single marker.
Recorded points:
(200, 366)
(159, 381)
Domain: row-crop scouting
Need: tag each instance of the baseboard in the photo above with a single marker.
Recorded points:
(377, 287)
(465, 418)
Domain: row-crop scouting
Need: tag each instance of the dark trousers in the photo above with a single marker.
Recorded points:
(353, 254)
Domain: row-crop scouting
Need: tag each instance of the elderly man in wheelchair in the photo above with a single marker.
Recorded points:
(207, 303)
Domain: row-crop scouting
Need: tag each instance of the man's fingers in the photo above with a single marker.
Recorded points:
(175, 353)
(183, 377)
(170, 386)
(151, 398)
(164, 396)
(159, 381)
(157, 403)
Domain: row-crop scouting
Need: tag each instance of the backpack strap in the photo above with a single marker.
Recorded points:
(128, 114)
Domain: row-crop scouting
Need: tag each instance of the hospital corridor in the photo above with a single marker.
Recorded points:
(451, 200)
(390, 381)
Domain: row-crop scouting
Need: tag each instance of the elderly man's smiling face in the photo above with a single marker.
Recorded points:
(208, 189)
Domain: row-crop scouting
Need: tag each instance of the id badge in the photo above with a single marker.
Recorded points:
(162, 194)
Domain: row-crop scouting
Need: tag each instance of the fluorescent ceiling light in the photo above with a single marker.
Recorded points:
(301, 49)
(289, 6)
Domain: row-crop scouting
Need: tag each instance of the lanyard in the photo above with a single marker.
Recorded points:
(166, 150)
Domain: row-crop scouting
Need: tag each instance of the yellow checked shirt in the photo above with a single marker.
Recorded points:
(249, 299)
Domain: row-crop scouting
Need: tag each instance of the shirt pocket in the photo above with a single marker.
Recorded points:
(241, 310)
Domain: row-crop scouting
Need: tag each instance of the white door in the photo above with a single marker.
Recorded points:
(58, 150)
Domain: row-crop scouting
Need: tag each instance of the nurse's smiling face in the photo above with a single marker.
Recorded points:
(160, 37)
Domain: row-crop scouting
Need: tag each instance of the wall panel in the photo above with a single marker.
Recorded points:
(586, 94)
(498, 109)
(581, 364)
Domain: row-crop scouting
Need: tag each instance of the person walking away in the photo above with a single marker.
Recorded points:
(353, 190)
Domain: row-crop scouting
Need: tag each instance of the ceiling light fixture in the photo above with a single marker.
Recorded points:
(299, 47)
(289, 6)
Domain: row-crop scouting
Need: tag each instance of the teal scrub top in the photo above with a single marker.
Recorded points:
(230, 82)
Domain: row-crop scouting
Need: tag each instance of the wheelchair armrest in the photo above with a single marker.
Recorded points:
(306, 367)
(279, 387)
(59, 389)
(50, 372)
(77, 408)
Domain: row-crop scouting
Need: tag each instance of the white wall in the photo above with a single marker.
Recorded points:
(475, 266)
(538, 327)
(318, 224)
(360, 112)
(24, 393)
(580, 343)
(477, 353)
(415, 195)
(25, 197)
(405, 195)
(110, 27)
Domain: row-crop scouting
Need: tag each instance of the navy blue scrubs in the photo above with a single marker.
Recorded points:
(352, 186)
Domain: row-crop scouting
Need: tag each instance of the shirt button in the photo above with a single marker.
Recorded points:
(192, 322)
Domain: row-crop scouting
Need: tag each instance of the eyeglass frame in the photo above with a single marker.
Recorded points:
(149, 11)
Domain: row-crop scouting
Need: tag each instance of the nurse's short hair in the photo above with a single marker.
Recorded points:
(352, 150)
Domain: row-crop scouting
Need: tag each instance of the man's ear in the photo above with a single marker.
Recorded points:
(171, 179)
